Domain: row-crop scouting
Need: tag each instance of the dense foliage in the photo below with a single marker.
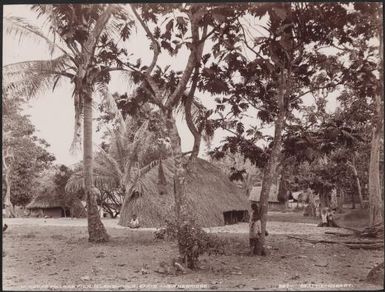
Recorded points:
(29, 153)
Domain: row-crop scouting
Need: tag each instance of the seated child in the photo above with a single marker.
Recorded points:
(327, 219)
(134, 223)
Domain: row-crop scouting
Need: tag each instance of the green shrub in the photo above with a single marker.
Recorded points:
(193, 241)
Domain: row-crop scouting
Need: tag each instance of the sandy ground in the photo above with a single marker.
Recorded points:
(279, 223)
(54, 254)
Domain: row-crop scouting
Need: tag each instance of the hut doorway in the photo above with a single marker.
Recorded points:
(53, 212)
(67, 212)
(235, 216)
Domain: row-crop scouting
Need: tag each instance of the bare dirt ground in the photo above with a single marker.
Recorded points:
(54, 254)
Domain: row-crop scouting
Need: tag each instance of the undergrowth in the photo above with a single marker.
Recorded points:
(193, 241)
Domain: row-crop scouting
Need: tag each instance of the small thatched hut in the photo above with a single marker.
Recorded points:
(211, 197)
(53, 205)
(255, 195)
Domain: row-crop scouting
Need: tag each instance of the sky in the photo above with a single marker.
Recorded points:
(52, 113)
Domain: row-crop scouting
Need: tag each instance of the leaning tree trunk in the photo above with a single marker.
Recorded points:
(376, 207)
(270, 169)
(96, 230)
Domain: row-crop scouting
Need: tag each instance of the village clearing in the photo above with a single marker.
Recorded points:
(54, 254)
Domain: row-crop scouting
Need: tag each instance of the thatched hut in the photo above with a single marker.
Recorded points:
(212, 198)
(53, 205)
(255, 195)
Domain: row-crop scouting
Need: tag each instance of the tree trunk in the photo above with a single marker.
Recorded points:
(248, 184)
(283, 189)
(84, 82)
(358, 184)
(340, 199)
(197, 133)
(96, 230)
(376, 208)
(270, 169)
(189, 118)
(375, 200)
(181, 209)
(322, 198)
(353, 201)
(9, 208)
(179, 170)
(125, 216)
(190, 124)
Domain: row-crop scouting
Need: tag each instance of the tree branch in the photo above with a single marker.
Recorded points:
(190, 97)
(156, 47)
(155, 100)
(196, 49)
(246, 43)
(189, 119)
(315, 89)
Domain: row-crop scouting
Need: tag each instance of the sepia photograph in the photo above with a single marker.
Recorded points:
(189, 146)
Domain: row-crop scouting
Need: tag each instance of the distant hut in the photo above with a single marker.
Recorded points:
(255, 195)
(51, 204)
(212, 198)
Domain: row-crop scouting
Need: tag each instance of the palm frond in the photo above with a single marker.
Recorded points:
(144, 170)
(113, 28)
(146, 144)
(57, 66)
(133, 149)
(111, 161)
(138, 180)
(76, 182)
(141, 131)
(27, 79)
(141, 184)
(197, 109)
(111, 104)
(20, 28)
(30, 87)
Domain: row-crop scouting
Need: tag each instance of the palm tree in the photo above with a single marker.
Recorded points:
(123, 167)
(75, 32)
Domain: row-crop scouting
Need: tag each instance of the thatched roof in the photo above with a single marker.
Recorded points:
(51, 199)
(209, 193)
(46, 200)
(255, 194)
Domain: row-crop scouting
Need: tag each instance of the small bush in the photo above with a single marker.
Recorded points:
(193, 241)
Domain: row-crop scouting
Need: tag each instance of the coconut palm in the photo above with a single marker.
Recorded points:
(77, 36)
(124, 166)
